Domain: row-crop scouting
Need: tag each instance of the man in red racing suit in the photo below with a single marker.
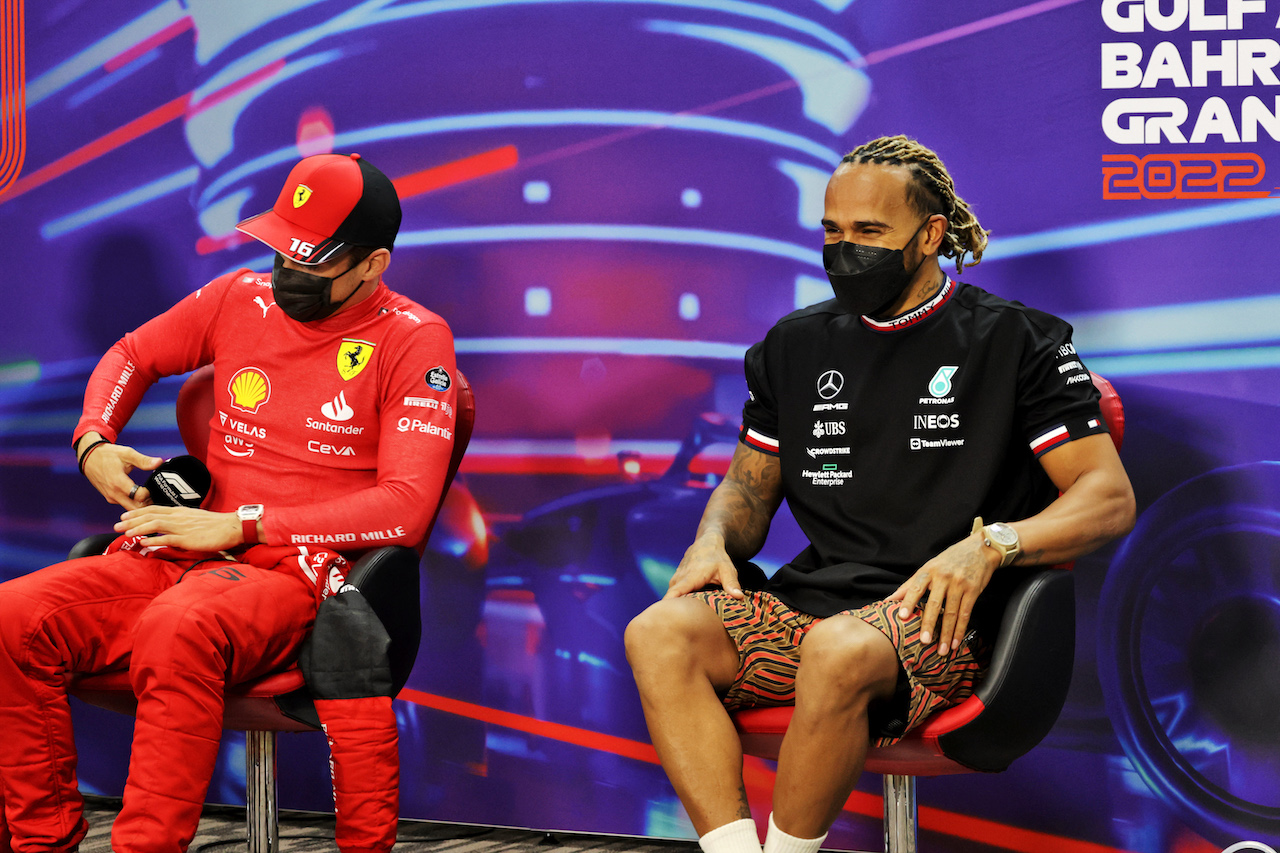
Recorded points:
(332, 432)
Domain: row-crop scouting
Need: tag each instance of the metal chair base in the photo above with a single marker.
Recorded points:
(900, 814)
(261, 807)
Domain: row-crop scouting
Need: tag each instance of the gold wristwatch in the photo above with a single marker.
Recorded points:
(1001, 537)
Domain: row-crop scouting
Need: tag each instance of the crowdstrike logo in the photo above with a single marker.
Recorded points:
(337, 408)
(830, 384)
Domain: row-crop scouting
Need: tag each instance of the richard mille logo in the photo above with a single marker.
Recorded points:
(829, 384)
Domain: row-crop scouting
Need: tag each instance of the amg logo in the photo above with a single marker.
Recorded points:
(831, 407)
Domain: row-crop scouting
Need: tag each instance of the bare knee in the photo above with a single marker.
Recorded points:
(677, 637)
(846, 657)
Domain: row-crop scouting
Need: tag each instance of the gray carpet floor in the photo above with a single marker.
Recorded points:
(222, 831)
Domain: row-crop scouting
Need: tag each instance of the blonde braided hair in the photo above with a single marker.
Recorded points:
(931, 191)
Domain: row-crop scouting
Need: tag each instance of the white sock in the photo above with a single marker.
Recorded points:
(778, 841)
(737, 837)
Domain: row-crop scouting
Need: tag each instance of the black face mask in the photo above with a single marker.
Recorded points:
(303, 296)
(867, 279)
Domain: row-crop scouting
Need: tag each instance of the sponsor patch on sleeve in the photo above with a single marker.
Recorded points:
(438, 378)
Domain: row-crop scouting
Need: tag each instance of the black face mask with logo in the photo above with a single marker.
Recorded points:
(304, 296)
(867, 279)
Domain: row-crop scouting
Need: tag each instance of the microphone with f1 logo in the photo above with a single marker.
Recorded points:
(180, 481)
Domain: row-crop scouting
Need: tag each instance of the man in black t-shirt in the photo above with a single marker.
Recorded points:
(921, 430)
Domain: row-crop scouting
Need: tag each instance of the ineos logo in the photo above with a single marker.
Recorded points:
(830, 384)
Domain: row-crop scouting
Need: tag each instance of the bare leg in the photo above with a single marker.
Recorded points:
(681, 655)
(844, 664)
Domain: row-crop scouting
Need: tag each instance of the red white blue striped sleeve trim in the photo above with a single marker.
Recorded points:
(759, 441)
(1046, 441)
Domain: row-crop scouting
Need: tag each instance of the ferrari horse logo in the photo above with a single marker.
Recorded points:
(353, 355)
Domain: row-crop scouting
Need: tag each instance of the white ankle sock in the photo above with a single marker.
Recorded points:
(737, 837)
(778, 841)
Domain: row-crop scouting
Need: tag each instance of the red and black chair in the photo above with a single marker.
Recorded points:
(1011, 711)
(387, 578)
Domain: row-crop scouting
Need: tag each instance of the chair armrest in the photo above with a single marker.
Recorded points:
(1026, 685)
(91, 546)
(388, 579)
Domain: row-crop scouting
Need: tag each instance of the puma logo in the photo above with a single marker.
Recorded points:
(264, 306)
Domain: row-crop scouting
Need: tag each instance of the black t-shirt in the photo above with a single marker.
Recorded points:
(893, 435)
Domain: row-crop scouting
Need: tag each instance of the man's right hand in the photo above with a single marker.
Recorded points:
(108, 468)
(705, 564)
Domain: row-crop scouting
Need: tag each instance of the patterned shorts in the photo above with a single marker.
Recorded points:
(768, 635)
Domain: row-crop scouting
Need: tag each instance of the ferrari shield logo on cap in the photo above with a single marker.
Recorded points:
(300, 195)
(353, 355)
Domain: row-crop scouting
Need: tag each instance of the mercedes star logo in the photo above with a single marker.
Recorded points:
(829, 384)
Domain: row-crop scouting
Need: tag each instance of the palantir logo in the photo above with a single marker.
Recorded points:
(940, 384)
(830, 384)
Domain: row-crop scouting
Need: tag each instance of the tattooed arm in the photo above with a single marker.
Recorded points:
(734, 524)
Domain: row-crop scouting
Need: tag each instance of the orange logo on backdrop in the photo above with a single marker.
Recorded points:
(249, 389)
(1185, 176)
(13, 92)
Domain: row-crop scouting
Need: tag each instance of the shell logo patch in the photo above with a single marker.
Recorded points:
(249, 389)
(300, 195)
(353, 355)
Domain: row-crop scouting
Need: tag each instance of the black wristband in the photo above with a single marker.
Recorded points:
(88, 450)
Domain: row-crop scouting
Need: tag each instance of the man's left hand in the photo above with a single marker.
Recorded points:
(952, 580)
(182, 527)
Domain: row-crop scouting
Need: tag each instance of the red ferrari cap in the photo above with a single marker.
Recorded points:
(329, 203)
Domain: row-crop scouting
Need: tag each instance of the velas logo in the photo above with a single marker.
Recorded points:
(940, 384)
(301, 194)
(353, 355)
(249, 389)
(830, 384)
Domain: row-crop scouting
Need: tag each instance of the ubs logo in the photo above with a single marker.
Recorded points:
(830, 384)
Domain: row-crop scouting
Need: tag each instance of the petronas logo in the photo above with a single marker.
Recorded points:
(940, 384)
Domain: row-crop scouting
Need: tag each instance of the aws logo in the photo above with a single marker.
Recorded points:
(249, 389)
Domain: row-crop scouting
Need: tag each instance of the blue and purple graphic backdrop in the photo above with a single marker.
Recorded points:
(609, 200)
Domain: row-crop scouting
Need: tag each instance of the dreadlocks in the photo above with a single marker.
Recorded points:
(931, 191)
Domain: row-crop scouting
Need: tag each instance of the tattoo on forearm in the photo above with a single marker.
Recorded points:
(742, 506)
(1029, 558)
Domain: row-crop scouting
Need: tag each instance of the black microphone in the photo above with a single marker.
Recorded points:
(180, 481)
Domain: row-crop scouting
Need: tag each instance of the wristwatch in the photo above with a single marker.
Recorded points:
(1001, 537)
(250, 515)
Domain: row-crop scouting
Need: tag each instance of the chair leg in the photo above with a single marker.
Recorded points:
(260, 792)
(899, 814)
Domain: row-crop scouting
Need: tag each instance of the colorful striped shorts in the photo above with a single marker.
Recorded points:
(768, 635)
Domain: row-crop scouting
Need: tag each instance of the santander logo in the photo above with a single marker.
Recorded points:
(337, 408)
